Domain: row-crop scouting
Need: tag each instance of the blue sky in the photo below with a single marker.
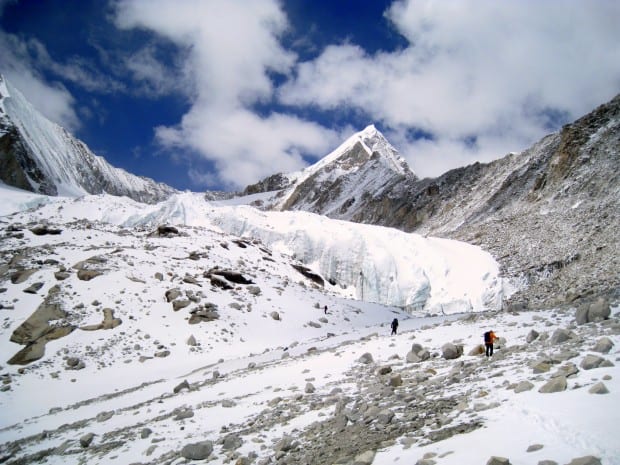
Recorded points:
(217, 94)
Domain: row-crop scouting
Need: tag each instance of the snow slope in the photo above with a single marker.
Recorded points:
(253, 380)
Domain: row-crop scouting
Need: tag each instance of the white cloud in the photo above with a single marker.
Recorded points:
(51, 99)
(486, 69)
(231, 49)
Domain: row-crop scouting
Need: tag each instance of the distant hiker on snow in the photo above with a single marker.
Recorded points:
(394, 326)
(325, 309)
(489, 338)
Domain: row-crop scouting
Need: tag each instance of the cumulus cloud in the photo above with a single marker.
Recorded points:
(51, 99)
(479, 78)
(232, 51)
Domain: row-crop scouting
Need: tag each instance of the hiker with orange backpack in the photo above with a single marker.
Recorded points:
(489, 338)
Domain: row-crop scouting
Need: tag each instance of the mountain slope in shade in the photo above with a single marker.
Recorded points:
(40, 156)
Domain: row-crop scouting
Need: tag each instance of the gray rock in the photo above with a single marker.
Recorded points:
(534, 447)
(275, 316)
(557, 384)
(232, 442)
(603, 345)
(33, 288)
(560, 335)
(599, 388)
(197, 450)
(498, 461)
(86, 440)
(523, 386)
(104, 416)
(183, 414)
(587, 460)
(191, 341)
(172, 294)
(254, 290)
(581, 315)
(179, 304)
(61, 275)
(590, 362)
(384, 370)
(309, 388)
(87, 275)
(145, 433)
(547, 462)
(181, 386)
(541, 367)
(366, 358)
(451, 351)
(599, 310)
(532, 336)
(396, 380)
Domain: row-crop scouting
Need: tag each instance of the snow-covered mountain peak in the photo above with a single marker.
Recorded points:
(365, 164)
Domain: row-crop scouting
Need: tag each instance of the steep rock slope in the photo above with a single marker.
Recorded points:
(40, 156)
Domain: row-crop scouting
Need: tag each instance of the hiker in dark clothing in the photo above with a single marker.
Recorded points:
(394, 326)
(325, 309)
(489, 338)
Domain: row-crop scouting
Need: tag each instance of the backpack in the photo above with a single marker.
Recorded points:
(487, 337)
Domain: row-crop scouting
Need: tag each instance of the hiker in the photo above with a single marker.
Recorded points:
(394, 326)
(326, 309)
(489, 338)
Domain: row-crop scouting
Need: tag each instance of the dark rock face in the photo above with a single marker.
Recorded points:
(272, 183)
(310, 275)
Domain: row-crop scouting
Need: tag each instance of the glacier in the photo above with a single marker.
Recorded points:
(423, 275)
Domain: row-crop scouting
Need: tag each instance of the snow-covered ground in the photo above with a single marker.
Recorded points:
(273, 363)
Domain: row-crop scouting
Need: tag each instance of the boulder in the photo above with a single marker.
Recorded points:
(477, 350)
(599, 388)
(275, 316)
(179, 304)
(396, 380)
(86, 440)
(532, 336)
(498, 461)
(587, 460)
(309, 389)
(191, 341)
(590, 362)
(365, 458)
(172, 294)
(232, 442)
(181, 386)
(197, 451)
(523, 386)
(167, 231)
(87, 275)
(560, 335)
(451, 351)
(596, 311)
(366, 359)
(603, 345)
(557, 384)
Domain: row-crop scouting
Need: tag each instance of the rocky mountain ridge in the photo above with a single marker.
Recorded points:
(40, 156)
(549, 214)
